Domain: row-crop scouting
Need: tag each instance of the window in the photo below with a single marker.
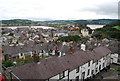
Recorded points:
(103, 58)
(47, 80)
(97, 62)
(89, 64)
(103, 65)
(92, 72)
(88, 72)
(21, 54)
(96, 69)
(62, 75)
(42, 51)
(83, 76)
(77, 78)
(2, 51)
(77, 69)
(100, 67)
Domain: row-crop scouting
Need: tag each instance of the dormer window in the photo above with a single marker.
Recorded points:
(77, 69)
(21, 54)
(97, 62)
(42, 51)
(62, 75)
(88, 63)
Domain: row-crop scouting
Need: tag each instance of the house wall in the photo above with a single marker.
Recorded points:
(108, 60)
(85, 32)
(87, 70)
(98, 66)
(21, 56)
(72, 74)
(114, 58)
(56, 77)
(92, 69)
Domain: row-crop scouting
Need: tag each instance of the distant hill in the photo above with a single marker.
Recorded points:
(97, 21)
(18, 22)
(115, 23)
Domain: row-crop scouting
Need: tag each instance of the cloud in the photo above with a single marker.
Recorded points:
(109, 9)
(58, 9)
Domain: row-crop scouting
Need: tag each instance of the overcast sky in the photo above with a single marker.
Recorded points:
(58, 9)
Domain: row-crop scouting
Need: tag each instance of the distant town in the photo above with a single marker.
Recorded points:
(61, 50)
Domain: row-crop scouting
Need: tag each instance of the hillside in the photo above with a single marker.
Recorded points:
(15, 22)
(115, 23)
(111, 30)
(97, 21)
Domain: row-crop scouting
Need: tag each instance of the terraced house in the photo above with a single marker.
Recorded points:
(74, 65)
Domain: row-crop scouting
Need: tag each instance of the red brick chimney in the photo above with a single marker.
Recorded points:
(36, 57)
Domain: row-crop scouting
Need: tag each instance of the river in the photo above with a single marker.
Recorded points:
(43, 27)
(95, 26)
(46, 27)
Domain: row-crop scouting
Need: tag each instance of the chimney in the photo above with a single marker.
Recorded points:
(60, 54)
(56, 52)
(53, 52)
(36, 57)
(83, 47)
(72, 50)
(52, 32)
(64, 43)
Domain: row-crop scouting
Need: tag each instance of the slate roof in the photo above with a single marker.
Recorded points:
(13, 50)
(98, 53)
(52, 66)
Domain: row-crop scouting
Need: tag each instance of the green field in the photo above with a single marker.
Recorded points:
(117, 27)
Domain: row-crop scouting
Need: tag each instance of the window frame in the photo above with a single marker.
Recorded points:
(77, 78)
(88, 72)
(62, 75)
(77, 70)
(88, 63)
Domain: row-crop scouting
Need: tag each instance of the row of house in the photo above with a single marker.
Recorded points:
(22, 35)
(77, 65)
(25, 51)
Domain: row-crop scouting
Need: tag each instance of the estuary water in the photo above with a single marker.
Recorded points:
(95, 26)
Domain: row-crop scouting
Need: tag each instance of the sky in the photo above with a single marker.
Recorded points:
(58, 9)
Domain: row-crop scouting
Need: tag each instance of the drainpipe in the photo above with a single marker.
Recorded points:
(68, 74)
(10, 75)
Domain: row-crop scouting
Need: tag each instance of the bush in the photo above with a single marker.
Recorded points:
(22, 61)
(8, 63)
(28, 60)
(43, 56)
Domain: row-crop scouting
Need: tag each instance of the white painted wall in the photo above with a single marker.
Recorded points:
(72, 74)
(85, 69)
(83, 47)
(57, 76)
(114, 58)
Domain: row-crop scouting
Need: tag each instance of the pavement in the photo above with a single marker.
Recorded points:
(112, 73)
